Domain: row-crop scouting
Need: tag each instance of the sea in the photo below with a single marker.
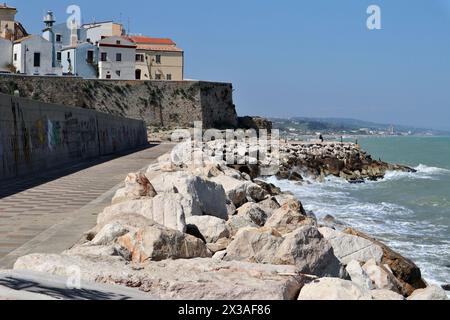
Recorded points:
(410, 212)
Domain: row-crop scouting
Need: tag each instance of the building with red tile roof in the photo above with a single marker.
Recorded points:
(158, 59)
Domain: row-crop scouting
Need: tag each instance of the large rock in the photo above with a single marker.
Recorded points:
(429, 293)
(237, 222)
(349, 247)
(269, 205)
(109, 233)
(236, 190)
(137, 186)
(381, 277)
(255, 192)
(159, 243)
(164, 209)
(403, 269)
(200, 196)
(358, 275)
(194, 279)
(383, 294)
(210, 227)
(305, 248)
(310, 252)
(253, 212)
(289, 218)
(269, 187)
(333, 289)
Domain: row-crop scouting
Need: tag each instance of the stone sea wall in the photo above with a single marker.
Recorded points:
(36, 136)
(158, 103)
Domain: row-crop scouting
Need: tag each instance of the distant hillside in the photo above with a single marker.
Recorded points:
(303, 125)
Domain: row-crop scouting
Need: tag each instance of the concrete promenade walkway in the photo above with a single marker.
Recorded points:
(49, 212)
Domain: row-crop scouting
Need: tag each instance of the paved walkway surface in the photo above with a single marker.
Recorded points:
(27, 285)
(38, 215)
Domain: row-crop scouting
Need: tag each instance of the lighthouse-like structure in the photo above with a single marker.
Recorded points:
(48, 34)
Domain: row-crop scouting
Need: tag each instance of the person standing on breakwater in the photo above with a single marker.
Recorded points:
(321, 138)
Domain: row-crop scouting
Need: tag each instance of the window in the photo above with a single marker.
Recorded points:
(158, 77)
(104, 56)
(118, 73)
(118, 57)
(140, 58)
(58, 56)
(158, 58)
(58, 38)
(108, 76)
(37, 59)
(138, 74)
(169, 77)
(90, 56)
(15, 56)
(118, 42)
(68, 55)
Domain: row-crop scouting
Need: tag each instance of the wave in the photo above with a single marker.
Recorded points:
(423, 172)
(421, 168)
(398, 225)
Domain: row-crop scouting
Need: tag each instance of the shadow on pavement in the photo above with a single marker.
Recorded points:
(18, 184)
(59, 292)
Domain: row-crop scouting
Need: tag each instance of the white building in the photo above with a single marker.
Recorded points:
(117, 57)
(97, 31)
(32, 55)
(5, 55)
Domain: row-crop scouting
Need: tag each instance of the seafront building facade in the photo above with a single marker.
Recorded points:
(116, 58)
(32, 55)
(100, 50)
(158, 59)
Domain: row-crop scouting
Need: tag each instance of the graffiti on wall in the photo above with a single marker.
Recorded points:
(54, 134)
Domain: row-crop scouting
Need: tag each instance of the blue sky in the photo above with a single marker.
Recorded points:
(312, 58)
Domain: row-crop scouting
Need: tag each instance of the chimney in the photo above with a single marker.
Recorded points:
(74, 34)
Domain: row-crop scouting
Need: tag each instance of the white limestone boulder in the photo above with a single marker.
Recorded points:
(235, 190)
(381, 276)
(305, 248)
(137, 186)
(289, 218)
(383, 294)
(200, 196)
(210, 227)
(109, 233)
(358, 275)
(349, 247)
(159, 243)
(429, 293)
(165, 209)
(333, 289)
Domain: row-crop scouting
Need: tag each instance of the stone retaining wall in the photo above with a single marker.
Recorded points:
(36, 136)
(158, 103)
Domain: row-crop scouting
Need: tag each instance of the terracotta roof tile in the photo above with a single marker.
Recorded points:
(149, 40)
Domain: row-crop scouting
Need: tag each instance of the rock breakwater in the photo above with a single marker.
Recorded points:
(211, 231)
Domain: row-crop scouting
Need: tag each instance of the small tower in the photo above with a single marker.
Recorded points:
(49, 19)
(49, 35)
